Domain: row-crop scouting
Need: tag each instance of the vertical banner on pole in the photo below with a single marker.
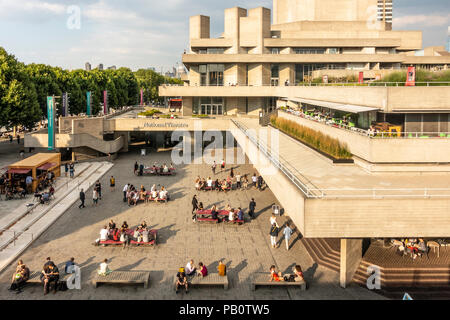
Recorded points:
(142, 97)
(361, 78)
(105, 102)
(88, 101)
(411, 77)
(51, 122)
(64, 105)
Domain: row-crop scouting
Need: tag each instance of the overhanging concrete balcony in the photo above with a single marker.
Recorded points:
(384, 151)
(292, 58)
(351, 43)
(388, 99)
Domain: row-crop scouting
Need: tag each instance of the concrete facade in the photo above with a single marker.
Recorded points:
(308, 39)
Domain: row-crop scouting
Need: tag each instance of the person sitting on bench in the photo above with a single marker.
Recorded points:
(37, 196)
(190, 268)
(154, 195)
(115, 234)
(181, 280)
(112, 225)
(124, 227)
(202, 271)
(165, 169)
(163, 194)
(275, 276)
(209, 183)
(214, 213)
(298, 274)
(145, 237)
(222, 269)
(104, 268)
(20, 277)
(240, 214)
(231, 216)
(49, 275)
(45, 198)
(104, 234)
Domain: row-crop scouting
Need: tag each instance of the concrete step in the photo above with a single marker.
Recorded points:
(10, 219)
(14, 249)
(318, 251)
(26, 221)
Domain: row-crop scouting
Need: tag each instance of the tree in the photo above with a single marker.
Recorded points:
(18, 99)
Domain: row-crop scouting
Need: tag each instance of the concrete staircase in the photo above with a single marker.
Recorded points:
(21, 230)
(322, 252)
(421, 283)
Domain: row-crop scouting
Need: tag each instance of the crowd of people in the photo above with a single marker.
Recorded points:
(140, 169)
(414, 247)
(132, 195)
(232, 182)
(295, 276)
(141, 234)
(184, 274)
(49, 276)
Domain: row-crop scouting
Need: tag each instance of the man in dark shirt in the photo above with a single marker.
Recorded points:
(50, 274)
(252, 207)
(98, 186)
(181, 281)
(82, 199)
(194, 204)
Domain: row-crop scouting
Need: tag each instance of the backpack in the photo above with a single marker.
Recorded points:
(62, 286)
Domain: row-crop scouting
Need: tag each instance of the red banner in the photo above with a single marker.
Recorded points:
(411, 77)
(361, 78)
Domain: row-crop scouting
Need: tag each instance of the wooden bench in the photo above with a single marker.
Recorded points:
(212, 279)
(263, 279)
(132, 242)
(35, 277)
(124, 277)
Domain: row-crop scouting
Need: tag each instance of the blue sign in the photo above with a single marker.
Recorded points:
(407, 297)
(51, 122)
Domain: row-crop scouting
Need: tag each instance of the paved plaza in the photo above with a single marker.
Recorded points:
(244, 249)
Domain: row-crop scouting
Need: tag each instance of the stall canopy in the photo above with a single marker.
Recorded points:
(47, 166)
(19, 171)
(335, 106)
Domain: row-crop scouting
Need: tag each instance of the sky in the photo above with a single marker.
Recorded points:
(149, 33)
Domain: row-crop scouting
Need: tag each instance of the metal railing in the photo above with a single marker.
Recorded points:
(367, 133)
(351, 193)
(312, 84)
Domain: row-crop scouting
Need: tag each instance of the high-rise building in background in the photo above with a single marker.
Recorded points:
(112, 68)
(448, 40)
(88, 66)
(100, 67)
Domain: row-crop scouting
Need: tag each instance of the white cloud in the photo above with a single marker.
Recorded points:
(13, 7)
(431, 20)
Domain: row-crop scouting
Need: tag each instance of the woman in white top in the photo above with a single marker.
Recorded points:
(273, 220)
(104, 269)
(153, 188)
(231, 216)
(209, 182)
(154, 194)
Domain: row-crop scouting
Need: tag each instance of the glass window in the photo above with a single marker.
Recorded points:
(275, 50)
(309, 50)
(202, 68)
(275, 71)
(333, 50)
(215, 50)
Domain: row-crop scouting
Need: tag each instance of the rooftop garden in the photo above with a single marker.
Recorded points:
(312, 138)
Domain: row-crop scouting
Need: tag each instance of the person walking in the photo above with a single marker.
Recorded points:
(10, 138)
(125, 190)
(112, 183)
(98, 187)
(213, 168)
(274, 235)
(66, 169)
(82, 199)
(287, 234)
(94, 197)
(252, 207)
(194, 204)
(72, 170)
(18, 139)
(136, 167)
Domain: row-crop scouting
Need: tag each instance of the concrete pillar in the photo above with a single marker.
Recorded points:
(351, 255)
